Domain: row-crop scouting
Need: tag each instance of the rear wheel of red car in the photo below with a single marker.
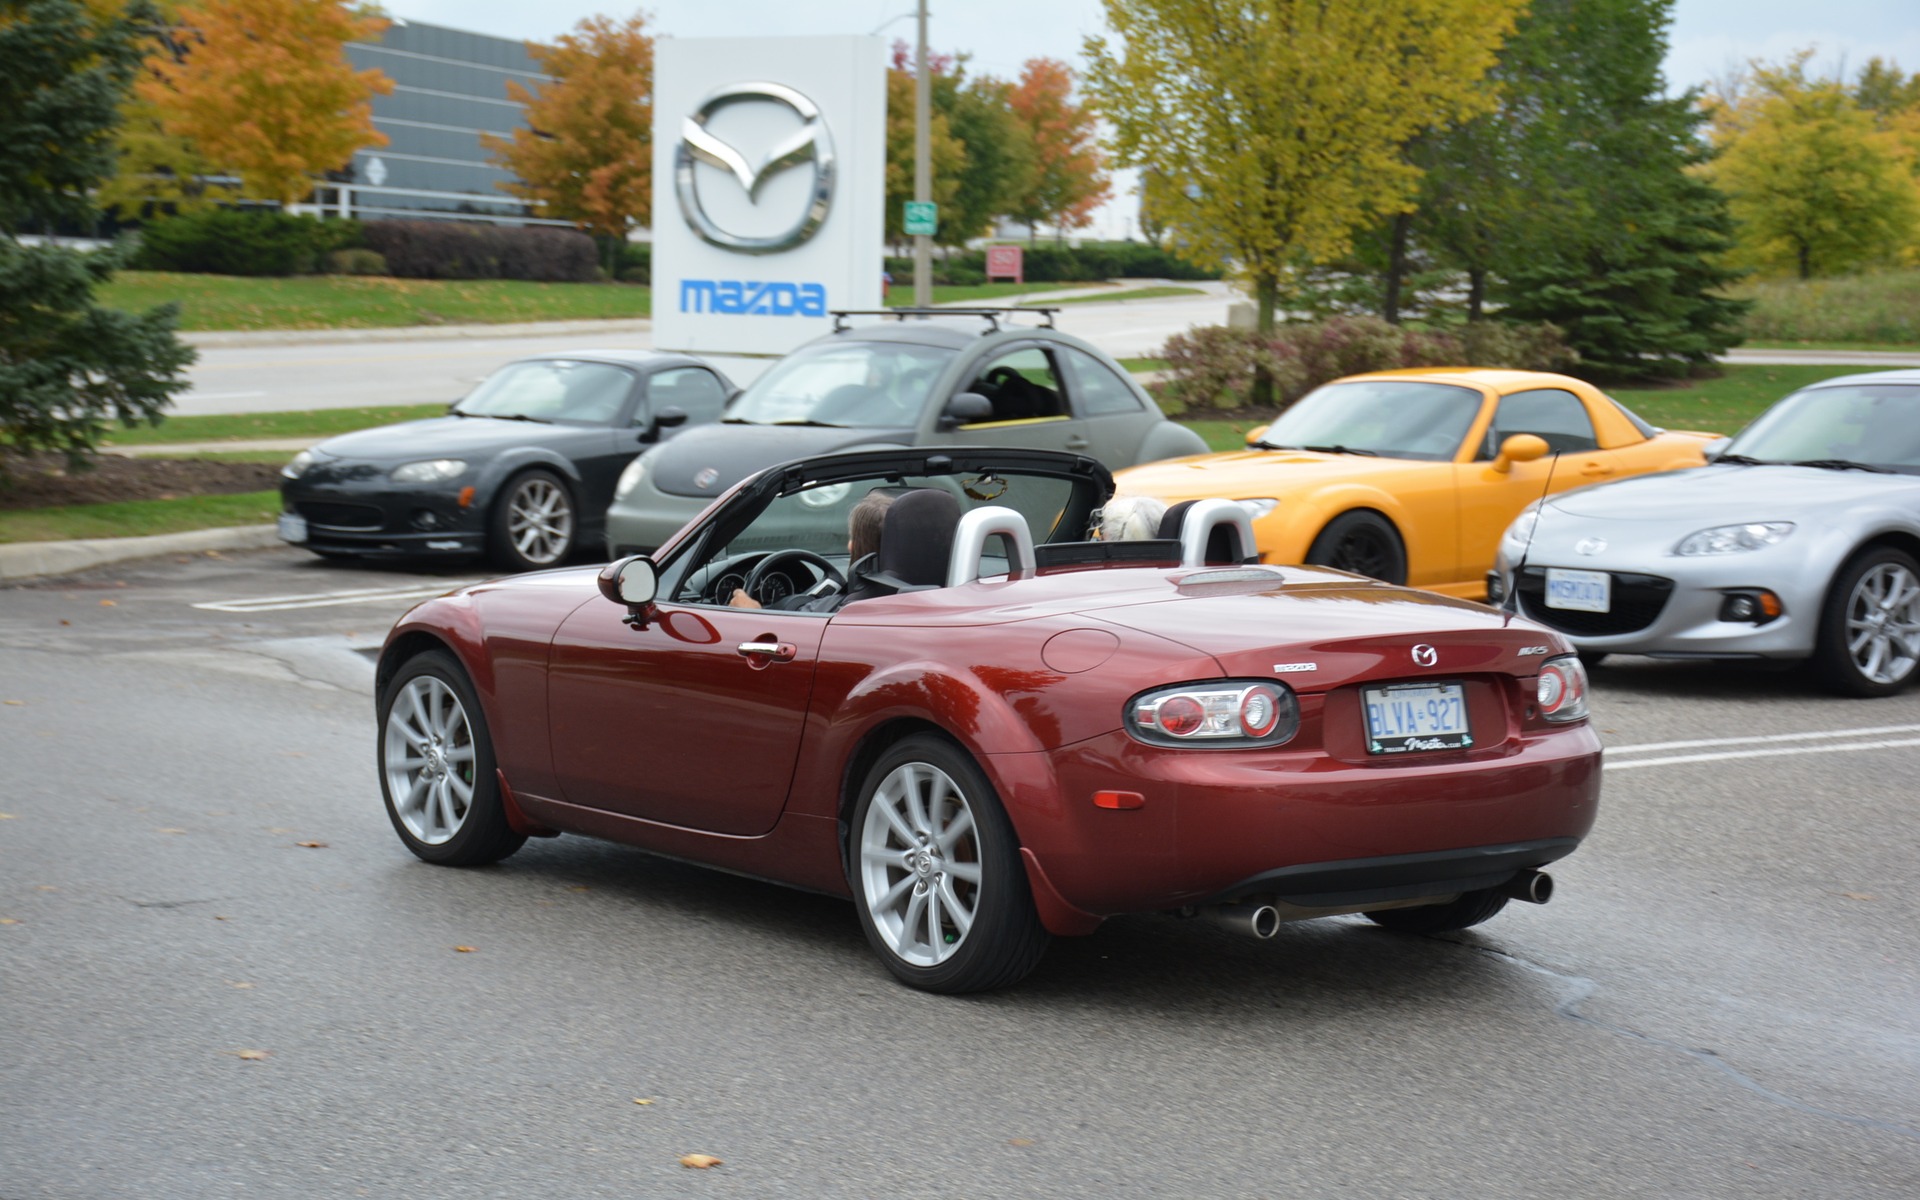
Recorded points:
(533, 524)
(1365, 543)
(437, 769)
(936, 872)
(1869, 643)
(1470, 909)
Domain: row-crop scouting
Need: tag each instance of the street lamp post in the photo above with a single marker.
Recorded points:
(922, 163)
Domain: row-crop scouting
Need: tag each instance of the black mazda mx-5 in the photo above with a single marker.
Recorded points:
(521, 470)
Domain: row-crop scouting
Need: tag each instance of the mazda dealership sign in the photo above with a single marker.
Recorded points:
(769, 170)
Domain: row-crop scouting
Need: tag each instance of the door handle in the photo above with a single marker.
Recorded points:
(772, 651)
(1077, 443)
(1595, 468)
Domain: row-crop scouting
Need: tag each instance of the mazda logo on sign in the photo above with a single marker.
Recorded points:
(1425, 655)
(809, 143)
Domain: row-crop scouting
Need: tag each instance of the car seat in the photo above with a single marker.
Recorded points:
(916, 542)
(1223, 542)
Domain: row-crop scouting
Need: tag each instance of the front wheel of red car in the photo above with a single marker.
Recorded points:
(937, 877)
(437, 767)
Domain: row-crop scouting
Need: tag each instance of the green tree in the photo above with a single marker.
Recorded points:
(1882, 89)
(1000, 159)
(947, 155)
(68, 366)
(1815, 187)
(1631, 266)
(1273, 130)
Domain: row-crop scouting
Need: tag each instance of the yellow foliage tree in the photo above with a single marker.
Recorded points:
(152, 162)
(1816, 187)
(946, 152)
(1272, 130)
(588, 156)
(265, 90)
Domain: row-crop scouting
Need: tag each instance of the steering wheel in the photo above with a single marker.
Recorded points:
(781, 558)
(1000, 377)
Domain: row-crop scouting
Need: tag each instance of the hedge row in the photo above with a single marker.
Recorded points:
(1061, 264)
(1213, 366)
(225, 241)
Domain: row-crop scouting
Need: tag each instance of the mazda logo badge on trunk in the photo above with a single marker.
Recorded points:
(1425, 655)
(810, 143)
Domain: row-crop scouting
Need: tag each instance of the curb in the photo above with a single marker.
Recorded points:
(239, 339)
(30, 560)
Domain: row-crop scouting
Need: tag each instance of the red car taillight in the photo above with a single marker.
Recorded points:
(1228, 713)
(1562, 689)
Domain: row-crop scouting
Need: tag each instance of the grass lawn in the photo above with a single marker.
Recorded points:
(319, 422)
(367, 302)
(1726, 404)
(1145, 293)
(1881, 309)
(138, 518)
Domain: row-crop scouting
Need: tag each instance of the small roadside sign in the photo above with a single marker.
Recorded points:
(922, 218)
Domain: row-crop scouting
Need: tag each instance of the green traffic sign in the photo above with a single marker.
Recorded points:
(922, 218)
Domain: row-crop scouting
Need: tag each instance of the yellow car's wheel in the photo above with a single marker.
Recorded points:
(1363, 542)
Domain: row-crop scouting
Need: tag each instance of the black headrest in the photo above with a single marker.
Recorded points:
(1223, 542)
(916, 538)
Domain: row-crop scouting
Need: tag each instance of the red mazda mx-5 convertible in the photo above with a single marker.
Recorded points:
(987, 729)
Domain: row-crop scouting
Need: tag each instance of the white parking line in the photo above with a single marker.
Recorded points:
(1764, 746)
(328, 599)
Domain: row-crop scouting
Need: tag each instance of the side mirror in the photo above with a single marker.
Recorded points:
(1521, 447)
(1256, 434)
(631, 581)
(966, 408)
(669, 417)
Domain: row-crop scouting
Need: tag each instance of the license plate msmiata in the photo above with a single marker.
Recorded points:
(1406, 717)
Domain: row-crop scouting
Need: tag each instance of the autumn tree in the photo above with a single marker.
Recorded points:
(156, 164)
(67, 365)
(586, 154)
(1274, 129)
(1001, 156)
(1068, 181)
(265, 90)
(1816, 188)
(946, 154)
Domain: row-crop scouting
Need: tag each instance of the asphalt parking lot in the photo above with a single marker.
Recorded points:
(222, 973)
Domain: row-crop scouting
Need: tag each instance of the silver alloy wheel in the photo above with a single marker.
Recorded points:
(540, 521)
(920, 864)
(1883, 623)
(428, 757)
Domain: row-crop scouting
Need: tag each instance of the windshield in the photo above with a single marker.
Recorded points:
(551, 390)
(1390, 418)
(1873, 423)
(844, 383)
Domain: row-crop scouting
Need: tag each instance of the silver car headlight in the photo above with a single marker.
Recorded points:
(299, 465)
(1258, 507)
(1734, 539)
(630, 478)
(1519, 535)
(433, 470)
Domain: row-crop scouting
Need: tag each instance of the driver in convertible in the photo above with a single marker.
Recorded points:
(863, 542)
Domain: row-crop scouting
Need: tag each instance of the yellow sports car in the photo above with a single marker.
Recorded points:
(1412, 476)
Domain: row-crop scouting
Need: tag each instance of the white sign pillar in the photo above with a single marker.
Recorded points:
(769, 187)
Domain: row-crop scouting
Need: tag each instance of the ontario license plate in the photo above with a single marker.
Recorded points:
(293, 527)
(1583, 591)
(1406, 717)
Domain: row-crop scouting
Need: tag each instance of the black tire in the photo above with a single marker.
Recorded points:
(535, 522)
(1364, 543)
(1005, 939)
(453, 754)
(1851, 599)
(1469, 910)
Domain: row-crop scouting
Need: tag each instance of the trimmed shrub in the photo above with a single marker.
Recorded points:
(456, 250)
(1213, 366)
(356, 262)
(229, 241)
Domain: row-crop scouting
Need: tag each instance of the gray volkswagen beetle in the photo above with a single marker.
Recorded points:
(1801, 540)
(521, 469)
(927, 377)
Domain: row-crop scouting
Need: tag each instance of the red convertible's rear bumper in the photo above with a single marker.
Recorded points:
(1215, 826)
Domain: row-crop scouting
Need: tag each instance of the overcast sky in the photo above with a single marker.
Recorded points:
(1709, 37)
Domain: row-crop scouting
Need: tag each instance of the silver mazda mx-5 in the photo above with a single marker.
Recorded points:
(1801, 540)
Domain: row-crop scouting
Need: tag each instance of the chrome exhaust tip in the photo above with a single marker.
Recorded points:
(1257, 920)
(1535, 887)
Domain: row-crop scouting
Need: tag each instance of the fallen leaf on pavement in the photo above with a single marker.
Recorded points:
(1019, 1141)
(6, 816)
(169, 830)
(638, 1101)
(252, 1055)
(466, 949)
(312, 845)
(64, 621)
(45, 887)
(1860, 895)
(9, 921)
(109, 604)
(701, 1161)
(18, 703)
(236, 983)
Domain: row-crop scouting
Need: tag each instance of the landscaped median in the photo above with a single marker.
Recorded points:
(213, 473)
